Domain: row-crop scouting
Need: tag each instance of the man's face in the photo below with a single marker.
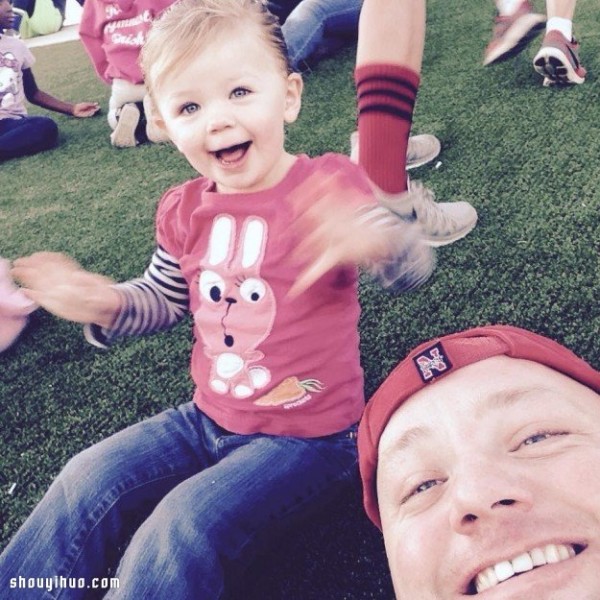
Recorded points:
(489, 485)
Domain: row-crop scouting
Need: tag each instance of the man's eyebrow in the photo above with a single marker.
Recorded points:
(506, 399)
(498, 401)
(407, 439)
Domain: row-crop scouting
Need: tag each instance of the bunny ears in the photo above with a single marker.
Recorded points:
(14, 307)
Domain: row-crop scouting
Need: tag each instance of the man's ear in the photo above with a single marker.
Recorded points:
(293, 97)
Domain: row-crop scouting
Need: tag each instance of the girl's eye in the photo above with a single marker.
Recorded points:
(189, 108)
(240, 92)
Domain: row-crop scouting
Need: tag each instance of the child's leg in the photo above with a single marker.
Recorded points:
(388, 63)
(100, 497)
(123, 92)
(203, 535)
(29, 135)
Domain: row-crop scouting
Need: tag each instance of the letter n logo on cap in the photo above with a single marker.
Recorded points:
(432, 362)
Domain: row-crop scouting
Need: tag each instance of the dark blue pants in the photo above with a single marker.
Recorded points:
(27, 135)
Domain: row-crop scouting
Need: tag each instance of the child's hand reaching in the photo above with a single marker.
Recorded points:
(342, 230)
(85, 109)
(59, 284)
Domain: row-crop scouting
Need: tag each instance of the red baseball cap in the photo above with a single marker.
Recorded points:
(440, 357)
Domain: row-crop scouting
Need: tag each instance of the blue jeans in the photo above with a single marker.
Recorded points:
(307, 25)
(199, 501)
(27, 135)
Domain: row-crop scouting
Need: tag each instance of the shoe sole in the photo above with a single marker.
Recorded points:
(554, 65)
(516, 38)
(423, 160)
(123, 135)
(436, 243)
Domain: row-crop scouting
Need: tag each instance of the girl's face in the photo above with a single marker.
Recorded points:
(226, 109)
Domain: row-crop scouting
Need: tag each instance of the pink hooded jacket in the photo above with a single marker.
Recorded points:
(113, 32)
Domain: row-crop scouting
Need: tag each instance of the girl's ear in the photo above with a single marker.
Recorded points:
(293, 97)
(152, 114)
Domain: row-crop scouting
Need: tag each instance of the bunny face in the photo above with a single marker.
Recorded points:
(225, 110)
(237, 306)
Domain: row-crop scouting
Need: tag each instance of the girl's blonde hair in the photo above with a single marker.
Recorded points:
(189, 25)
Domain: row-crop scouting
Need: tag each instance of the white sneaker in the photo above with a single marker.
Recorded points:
(421, 149)
(128, 118)
(441, 222)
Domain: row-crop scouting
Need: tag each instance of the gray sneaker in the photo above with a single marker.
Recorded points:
(128, 118)
(441, 223)
(421, 149)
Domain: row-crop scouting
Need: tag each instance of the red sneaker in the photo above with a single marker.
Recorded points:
(558, 60)
(512, 33)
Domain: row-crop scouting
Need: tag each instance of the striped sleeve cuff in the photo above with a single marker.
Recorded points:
(152, 303)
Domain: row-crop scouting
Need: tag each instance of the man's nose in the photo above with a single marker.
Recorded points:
(484, 490)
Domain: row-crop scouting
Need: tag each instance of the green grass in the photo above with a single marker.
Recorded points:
(525, 156)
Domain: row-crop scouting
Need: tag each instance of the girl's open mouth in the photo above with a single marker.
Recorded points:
(233, 154)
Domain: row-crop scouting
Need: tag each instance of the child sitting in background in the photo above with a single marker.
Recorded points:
(113, 33)
(39, 17)
(262, 251)
(21, 134)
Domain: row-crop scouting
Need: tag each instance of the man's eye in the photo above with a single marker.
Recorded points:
(422, 487)
(240, 92)
(189, 108)
(540, 436)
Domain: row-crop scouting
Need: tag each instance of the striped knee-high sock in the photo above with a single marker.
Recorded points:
(386, 98)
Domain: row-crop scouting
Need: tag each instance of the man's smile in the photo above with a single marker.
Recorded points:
(539, 556)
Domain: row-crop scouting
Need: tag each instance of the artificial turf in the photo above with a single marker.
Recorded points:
(525, 156)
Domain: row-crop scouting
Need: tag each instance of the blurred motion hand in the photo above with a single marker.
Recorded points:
(59, 284)
(339, 229)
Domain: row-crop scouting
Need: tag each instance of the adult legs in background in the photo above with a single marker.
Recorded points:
(313, 21)
(517, 24)
(558, 58)
(388, 66)
(27, 135)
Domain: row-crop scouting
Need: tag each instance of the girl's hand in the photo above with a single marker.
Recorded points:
(59, 284)
(341, 229)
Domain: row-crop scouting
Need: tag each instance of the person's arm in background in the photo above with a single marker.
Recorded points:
(45, 100)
